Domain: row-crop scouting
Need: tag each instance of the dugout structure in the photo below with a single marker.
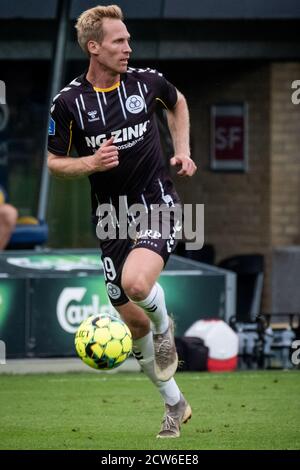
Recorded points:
(44, 296)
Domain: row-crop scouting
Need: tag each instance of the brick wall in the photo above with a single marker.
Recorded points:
(285, 156)
(248, 212)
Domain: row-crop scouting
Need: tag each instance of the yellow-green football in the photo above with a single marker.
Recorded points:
(103, 341)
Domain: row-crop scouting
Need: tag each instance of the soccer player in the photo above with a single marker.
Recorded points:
(108, 114)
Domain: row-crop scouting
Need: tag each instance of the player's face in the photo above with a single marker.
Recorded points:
(114, 50)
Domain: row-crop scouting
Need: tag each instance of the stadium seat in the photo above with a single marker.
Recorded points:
(250, 272)
(29, 233)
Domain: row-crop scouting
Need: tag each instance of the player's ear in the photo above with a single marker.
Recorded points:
(93, 47)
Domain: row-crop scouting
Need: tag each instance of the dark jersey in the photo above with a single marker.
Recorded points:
(85, 117)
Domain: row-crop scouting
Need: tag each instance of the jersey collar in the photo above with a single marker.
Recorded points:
(84, 80)
(105, 90)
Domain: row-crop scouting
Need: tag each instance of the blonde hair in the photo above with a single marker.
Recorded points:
(89, 24)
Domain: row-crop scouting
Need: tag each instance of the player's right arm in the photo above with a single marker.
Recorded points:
(60, 163)
(68, 167)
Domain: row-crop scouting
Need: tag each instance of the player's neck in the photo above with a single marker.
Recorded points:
(101, 78)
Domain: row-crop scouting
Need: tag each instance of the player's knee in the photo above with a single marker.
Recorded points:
(8, 215)
(136, 288)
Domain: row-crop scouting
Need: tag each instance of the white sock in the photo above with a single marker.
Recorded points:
(155, 307)
(143, 350)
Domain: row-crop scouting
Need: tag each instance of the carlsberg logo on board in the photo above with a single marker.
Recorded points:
(72, 310)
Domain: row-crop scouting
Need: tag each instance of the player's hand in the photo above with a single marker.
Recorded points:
(107, 156)
(188, 167)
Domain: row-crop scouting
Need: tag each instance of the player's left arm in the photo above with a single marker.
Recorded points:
(179, 125)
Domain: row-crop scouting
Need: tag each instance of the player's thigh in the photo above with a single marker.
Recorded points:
(142, 266)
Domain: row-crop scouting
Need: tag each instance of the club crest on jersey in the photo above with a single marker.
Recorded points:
(135, 104)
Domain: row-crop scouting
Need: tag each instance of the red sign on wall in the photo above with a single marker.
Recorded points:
(229, 137)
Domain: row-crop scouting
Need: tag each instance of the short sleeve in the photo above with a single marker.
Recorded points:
(166, 92)
(60, 129)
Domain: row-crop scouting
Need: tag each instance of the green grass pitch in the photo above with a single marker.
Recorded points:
(241, 410)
